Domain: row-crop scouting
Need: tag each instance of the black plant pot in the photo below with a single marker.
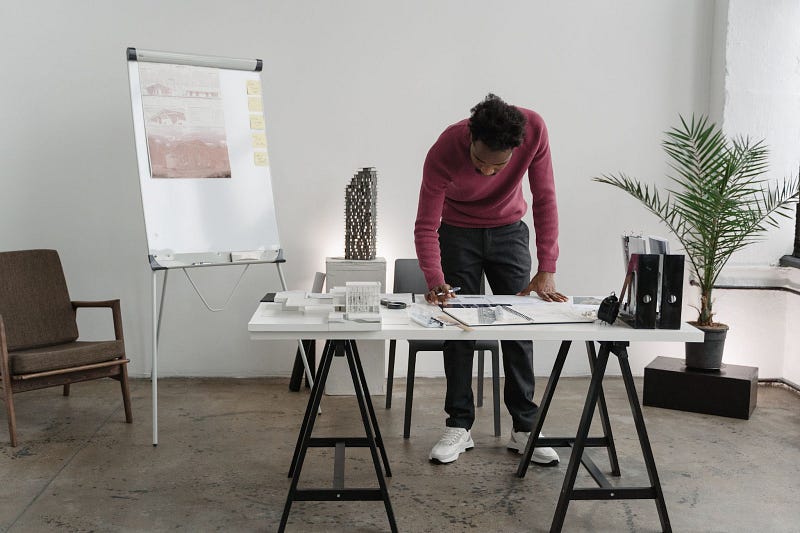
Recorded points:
(707, 355)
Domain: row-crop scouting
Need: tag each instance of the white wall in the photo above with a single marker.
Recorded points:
(347, 84)
(762, 307)
(755, 339)
(762, 98)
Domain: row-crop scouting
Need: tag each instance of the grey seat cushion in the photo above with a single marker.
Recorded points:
(64, 356)
(438, 346)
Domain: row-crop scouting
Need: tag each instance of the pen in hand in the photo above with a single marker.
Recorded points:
(451, 290)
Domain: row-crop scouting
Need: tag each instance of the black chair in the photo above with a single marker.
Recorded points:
(408, 278)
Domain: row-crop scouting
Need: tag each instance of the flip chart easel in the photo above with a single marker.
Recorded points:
(203, 170)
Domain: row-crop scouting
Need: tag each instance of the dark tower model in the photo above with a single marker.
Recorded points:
(360, 212)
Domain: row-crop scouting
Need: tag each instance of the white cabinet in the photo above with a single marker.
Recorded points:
(338, 272)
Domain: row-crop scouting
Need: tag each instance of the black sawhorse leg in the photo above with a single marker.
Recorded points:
(372, 440)
(605, 491)
(606, 441)
(603, 411)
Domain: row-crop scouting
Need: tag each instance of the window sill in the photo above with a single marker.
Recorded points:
(790, 261)
(760, 277)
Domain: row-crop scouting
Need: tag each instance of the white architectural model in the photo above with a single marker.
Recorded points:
(355, 307)
(363, 298)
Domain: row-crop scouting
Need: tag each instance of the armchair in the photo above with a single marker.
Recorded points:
(39, 344)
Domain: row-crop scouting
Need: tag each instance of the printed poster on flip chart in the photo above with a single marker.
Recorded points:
(184, 121)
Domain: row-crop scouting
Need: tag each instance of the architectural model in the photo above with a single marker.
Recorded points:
(361, 197)
(363, 299)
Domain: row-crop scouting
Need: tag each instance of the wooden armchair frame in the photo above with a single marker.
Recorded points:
(115, 369)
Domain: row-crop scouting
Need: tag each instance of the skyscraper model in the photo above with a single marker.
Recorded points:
(361, 197)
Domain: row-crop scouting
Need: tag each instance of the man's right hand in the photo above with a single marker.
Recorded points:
(440, 294)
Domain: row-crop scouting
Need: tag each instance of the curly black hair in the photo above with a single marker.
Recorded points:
(498, 125)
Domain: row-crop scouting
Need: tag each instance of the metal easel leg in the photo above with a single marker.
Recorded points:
(157, 309)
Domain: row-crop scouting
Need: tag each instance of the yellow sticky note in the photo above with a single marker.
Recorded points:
(259, 140)
(260, 159)
(256, 122)
(254, 104)
(253, 86)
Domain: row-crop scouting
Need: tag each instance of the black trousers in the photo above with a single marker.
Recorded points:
(503, 254)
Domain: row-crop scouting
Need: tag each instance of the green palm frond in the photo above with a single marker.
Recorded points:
(719, 201)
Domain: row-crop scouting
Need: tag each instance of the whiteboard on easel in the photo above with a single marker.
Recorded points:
(203, 159)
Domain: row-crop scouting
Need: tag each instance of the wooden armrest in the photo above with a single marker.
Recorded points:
(100, 303)
(4, 365)
(115, 311)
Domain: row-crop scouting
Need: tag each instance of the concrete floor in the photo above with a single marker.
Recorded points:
(225, 446)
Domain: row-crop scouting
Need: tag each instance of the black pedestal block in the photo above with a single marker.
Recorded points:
(731, 391)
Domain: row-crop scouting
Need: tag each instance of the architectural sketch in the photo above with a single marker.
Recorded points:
(361, 197)
(184, 121)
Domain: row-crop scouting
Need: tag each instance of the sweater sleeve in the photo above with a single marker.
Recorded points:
(429, 215)
(544, 207)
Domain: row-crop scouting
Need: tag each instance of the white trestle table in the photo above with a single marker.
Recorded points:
(267, 324)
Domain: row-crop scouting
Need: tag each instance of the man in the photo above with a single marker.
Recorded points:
(472, 193)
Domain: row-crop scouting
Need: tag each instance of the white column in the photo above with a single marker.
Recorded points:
(338, 272)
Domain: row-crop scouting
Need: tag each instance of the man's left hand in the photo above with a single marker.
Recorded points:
(544, 284)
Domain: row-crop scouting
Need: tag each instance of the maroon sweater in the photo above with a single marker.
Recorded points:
(455, 193)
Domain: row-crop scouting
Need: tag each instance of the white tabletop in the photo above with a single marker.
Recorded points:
(266, 324)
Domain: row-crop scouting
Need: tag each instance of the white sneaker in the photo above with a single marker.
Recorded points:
(542, 456)
(451, 445)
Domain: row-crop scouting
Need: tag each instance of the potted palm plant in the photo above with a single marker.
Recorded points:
(719, 203)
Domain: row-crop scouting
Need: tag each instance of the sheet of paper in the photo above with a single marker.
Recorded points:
(557, 313)
(513, 299)
(260, 159)
(184, 121)
(425, 315)
(469, 299)
(530, 311)
(487, 316)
